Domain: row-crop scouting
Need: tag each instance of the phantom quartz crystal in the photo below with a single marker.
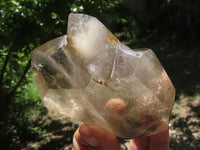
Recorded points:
(89, 76)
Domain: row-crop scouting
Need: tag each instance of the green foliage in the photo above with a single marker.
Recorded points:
(23, 113)
(176, 105)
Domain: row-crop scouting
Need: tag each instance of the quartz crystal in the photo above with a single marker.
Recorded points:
(89, 76)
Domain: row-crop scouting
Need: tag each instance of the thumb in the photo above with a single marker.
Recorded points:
(94, 137)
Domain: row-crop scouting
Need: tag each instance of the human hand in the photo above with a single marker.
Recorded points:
(94, 137)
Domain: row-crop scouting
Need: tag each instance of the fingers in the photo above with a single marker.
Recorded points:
(139, 143)
(94, 137)
(159, 141)
(89, 137)
(78, 142)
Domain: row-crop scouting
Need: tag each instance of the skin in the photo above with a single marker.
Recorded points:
(93, 137)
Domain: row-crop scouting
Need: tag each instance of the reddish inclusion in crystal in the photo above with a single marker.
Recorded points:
(117, 105)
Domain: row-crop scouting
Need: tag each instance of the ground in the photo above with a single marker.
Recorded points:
(185, 123)
(184, 129)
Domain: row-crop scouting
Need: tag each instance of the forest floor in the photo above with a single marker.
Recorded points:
(184, 129)
(185, 124)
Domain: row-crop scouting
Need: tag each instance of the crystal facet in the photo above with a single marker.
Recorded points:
(89, 76)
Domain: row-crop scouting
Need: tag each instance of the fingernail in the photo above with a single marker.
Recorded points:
(91, 141)
(75, 144)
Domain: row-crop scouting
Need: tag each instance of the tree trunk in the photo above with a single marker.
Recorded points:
(4, 67)
(21, 78)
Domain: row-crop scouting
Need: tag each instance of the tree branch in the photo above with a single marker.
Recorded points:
(4, 67)
(21, 78)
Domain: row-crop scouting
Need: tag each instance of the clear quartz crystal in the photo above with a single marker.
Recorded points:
(78, 73)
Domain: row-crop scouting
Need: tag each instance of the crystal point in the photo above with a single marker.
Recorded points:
(89, 76)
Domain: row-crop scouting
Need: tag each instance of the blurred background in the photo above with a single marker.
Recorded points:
(171, 28)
